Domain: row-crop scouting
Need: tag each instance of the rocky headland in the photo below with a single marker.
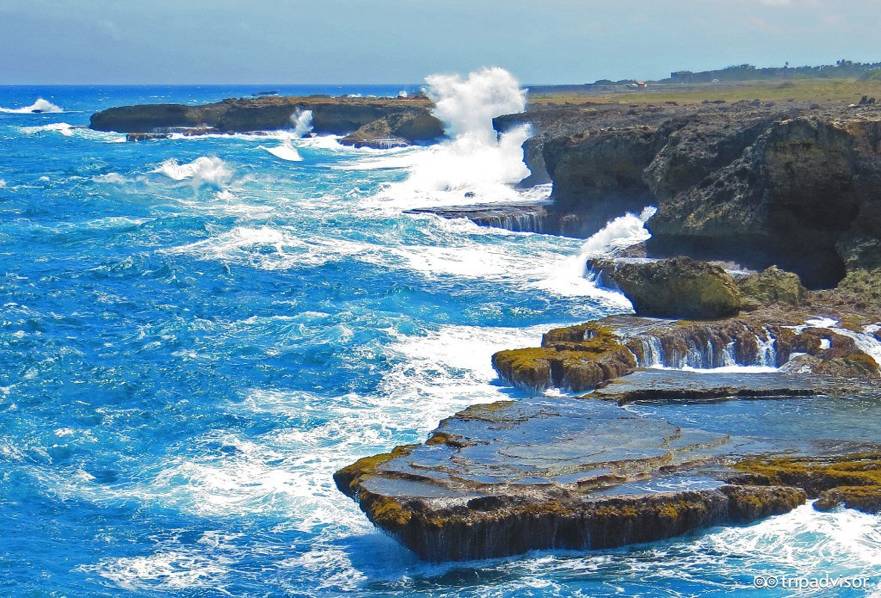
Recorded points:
(372, 122)
(764, 261)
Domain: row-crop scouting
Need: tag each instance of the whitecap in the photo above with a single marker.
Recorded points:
(286, 151)
(209, 170)
(68, 130)
(110, 178)
(39, 106)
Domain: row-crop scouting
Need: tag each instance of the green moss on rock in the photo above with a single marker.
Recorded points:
(851, 480)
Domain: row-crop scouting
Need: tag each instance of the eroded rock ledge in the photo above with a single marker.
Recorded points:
(792, 184)
(508, 477)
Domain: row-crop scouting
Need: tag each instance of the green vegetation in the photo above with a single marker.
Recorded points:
(795, 90)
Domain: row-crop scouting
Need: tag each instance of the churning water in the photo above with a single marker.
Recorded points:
(196, 332)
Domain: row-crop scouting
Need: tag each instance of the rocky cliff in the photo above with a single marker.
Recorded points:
(791, 185)
(368, 120)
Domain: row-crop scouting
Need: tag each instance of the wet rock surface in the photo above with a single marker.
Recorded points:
(508, 477)
(525, 217)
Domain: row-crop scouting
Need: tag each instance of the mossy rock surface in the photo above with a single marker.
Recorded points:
(853, 481)
(577, 358)
(673, 288)
(772, 285)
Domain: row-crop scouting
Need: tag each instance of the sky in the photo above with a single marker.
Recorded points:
(402, 41)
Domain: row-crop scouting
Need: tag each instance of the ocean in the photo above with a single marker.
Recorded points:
(195, 333)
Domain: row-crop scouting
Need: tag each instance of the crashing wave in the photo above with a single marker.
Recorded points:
(41, 106)
(302, 120)
(208, 170)
(475, 162)
(286, 151)
(570, 277)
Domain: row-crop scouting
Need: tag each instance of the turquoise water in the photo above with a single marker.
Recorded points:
(187, 353)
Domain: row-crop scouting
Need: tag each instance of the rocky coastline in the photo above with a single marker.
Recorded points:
(765, 253)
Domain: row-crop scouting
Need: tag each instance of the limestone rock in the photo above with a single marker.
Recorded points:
(672, 288)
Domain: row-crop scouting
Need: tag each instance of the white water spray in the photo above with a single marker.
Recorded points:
(302, 120)
(570, 276)
(40, 106)
(476, 165)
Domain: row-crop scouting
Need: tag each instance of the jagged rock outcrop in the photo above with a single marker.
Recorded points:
(793, 185)
(672, 288)
(368, 119)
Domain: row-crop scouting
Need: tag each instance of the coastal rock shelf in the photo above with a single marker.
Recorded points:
(567, 473)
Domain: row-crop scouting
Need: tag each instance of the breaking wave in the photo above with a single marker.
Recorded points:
(208, 170)
(41, 106)
(476, 165)
(570, 276)
(286, 151)
(68, 130)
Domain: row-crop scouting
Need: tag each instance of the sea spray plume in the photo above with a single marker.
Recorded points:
(467, 106)
(38, 107)
(476, 161)
(302, 120)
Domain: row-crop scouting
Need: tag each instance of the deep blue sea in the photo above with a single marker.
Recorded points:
(195, 333)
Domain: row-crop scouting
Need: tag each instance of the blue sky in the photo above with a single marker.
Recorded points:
(401, 41)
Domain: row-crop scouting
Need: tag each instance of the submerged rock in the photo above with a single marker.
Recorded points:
(672, 288)
(656, 385)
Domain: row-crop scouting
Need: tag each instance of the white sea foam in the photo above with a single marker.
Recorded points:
(569, 277)
(172, 570)
(39, 106)
(2, 184)
(110, 178)
(208, 170)
(68, 130)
